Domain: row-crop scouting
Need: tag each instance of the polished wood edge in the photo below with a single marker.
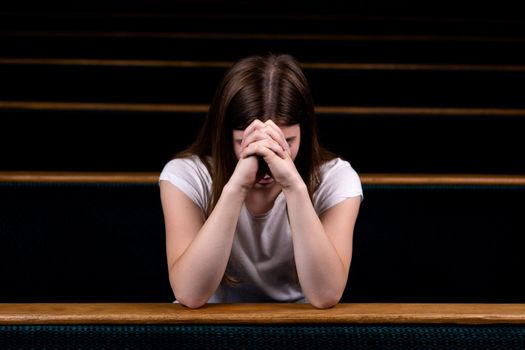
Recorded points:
(366, 179)
(227, 64)
(163, 313)
(115, 62)
(419, 111)
(267, 36)
(414, 67)
(442, 179)
(78, 177)
(202, 108)
(92, 106)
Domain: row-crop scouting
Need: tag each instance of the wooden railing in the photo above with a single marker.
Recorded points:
(203, 108)
(366, 179)
(162, 313)
(228, 64)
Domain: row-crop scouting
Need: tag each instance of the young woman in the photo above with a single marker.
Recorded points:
(255, 210)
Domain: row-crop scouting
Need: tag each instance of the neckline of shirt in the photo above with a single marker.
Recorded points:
(263, 216)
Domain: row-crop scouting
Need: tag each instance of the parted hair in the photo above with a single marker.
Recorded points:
(258, 87)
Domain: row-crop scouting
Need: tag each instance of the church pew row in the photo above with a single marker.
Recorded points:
(262, 326)
(143, 137)
(352, 42)
(88, 237)
(189, 83)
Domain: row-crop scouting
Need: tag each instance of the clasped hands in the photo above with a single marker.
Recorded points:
(265, 151)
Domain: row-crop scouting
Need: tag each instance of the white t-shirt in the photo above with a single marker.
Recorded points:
(262, 253)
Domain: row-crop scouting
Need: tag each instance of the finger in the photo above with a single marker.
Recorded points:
(262, 147)
(277, 149)
(259, 151)
(275, 127)
(277, 136)
(255, 125)
(277, 131)
(256, 135)
(274, 147)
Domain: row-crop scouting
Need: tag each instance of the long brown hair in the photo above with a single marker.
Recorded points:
(258, 87)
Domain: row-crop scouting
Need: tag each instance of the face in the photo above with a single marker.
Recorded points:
(292, 134)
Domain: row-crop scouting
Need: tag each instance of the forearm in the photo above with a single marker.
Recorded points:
(321, 272)
(197, 273)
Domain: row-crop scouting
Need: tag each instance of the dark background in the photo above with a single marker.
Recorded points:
(457, 66)
(401, 87)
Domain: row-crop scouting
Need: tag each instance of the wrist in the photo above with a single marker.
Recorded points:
(296, 187)
(236, 190)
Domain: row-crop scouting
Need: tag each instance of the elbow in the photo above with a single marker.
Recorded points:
(326, 301)
(190, 301)
(188, 297)
(329, 296)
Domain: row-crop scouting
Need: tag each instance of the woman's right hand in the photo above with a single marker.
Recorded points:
(248, 170)
(245, 174)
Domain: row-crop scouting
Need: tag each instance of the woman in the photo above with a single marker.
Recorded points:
(255, 210)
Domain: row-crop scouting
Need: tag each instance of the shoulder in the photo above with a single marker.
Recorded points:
(190, 175)
(336, 165)
(339, 181)
(191, 166)
(337, 170)
(191, 163)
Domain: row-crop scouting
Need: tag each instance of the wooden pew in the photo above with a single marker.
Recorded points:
(99, 237)
(366, 179)
(263, 313)
(258, 326)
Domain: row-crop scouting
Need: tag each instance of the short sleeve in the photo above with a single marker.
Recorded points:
(191, 176)
(339, 182)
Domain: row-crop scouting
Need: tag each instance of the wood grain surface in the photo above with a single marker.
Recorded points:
(163, 313)
(366, 178)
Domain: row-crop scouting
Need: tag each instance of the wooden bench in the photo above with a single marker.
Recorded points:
(99, 237)
(259, 326)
